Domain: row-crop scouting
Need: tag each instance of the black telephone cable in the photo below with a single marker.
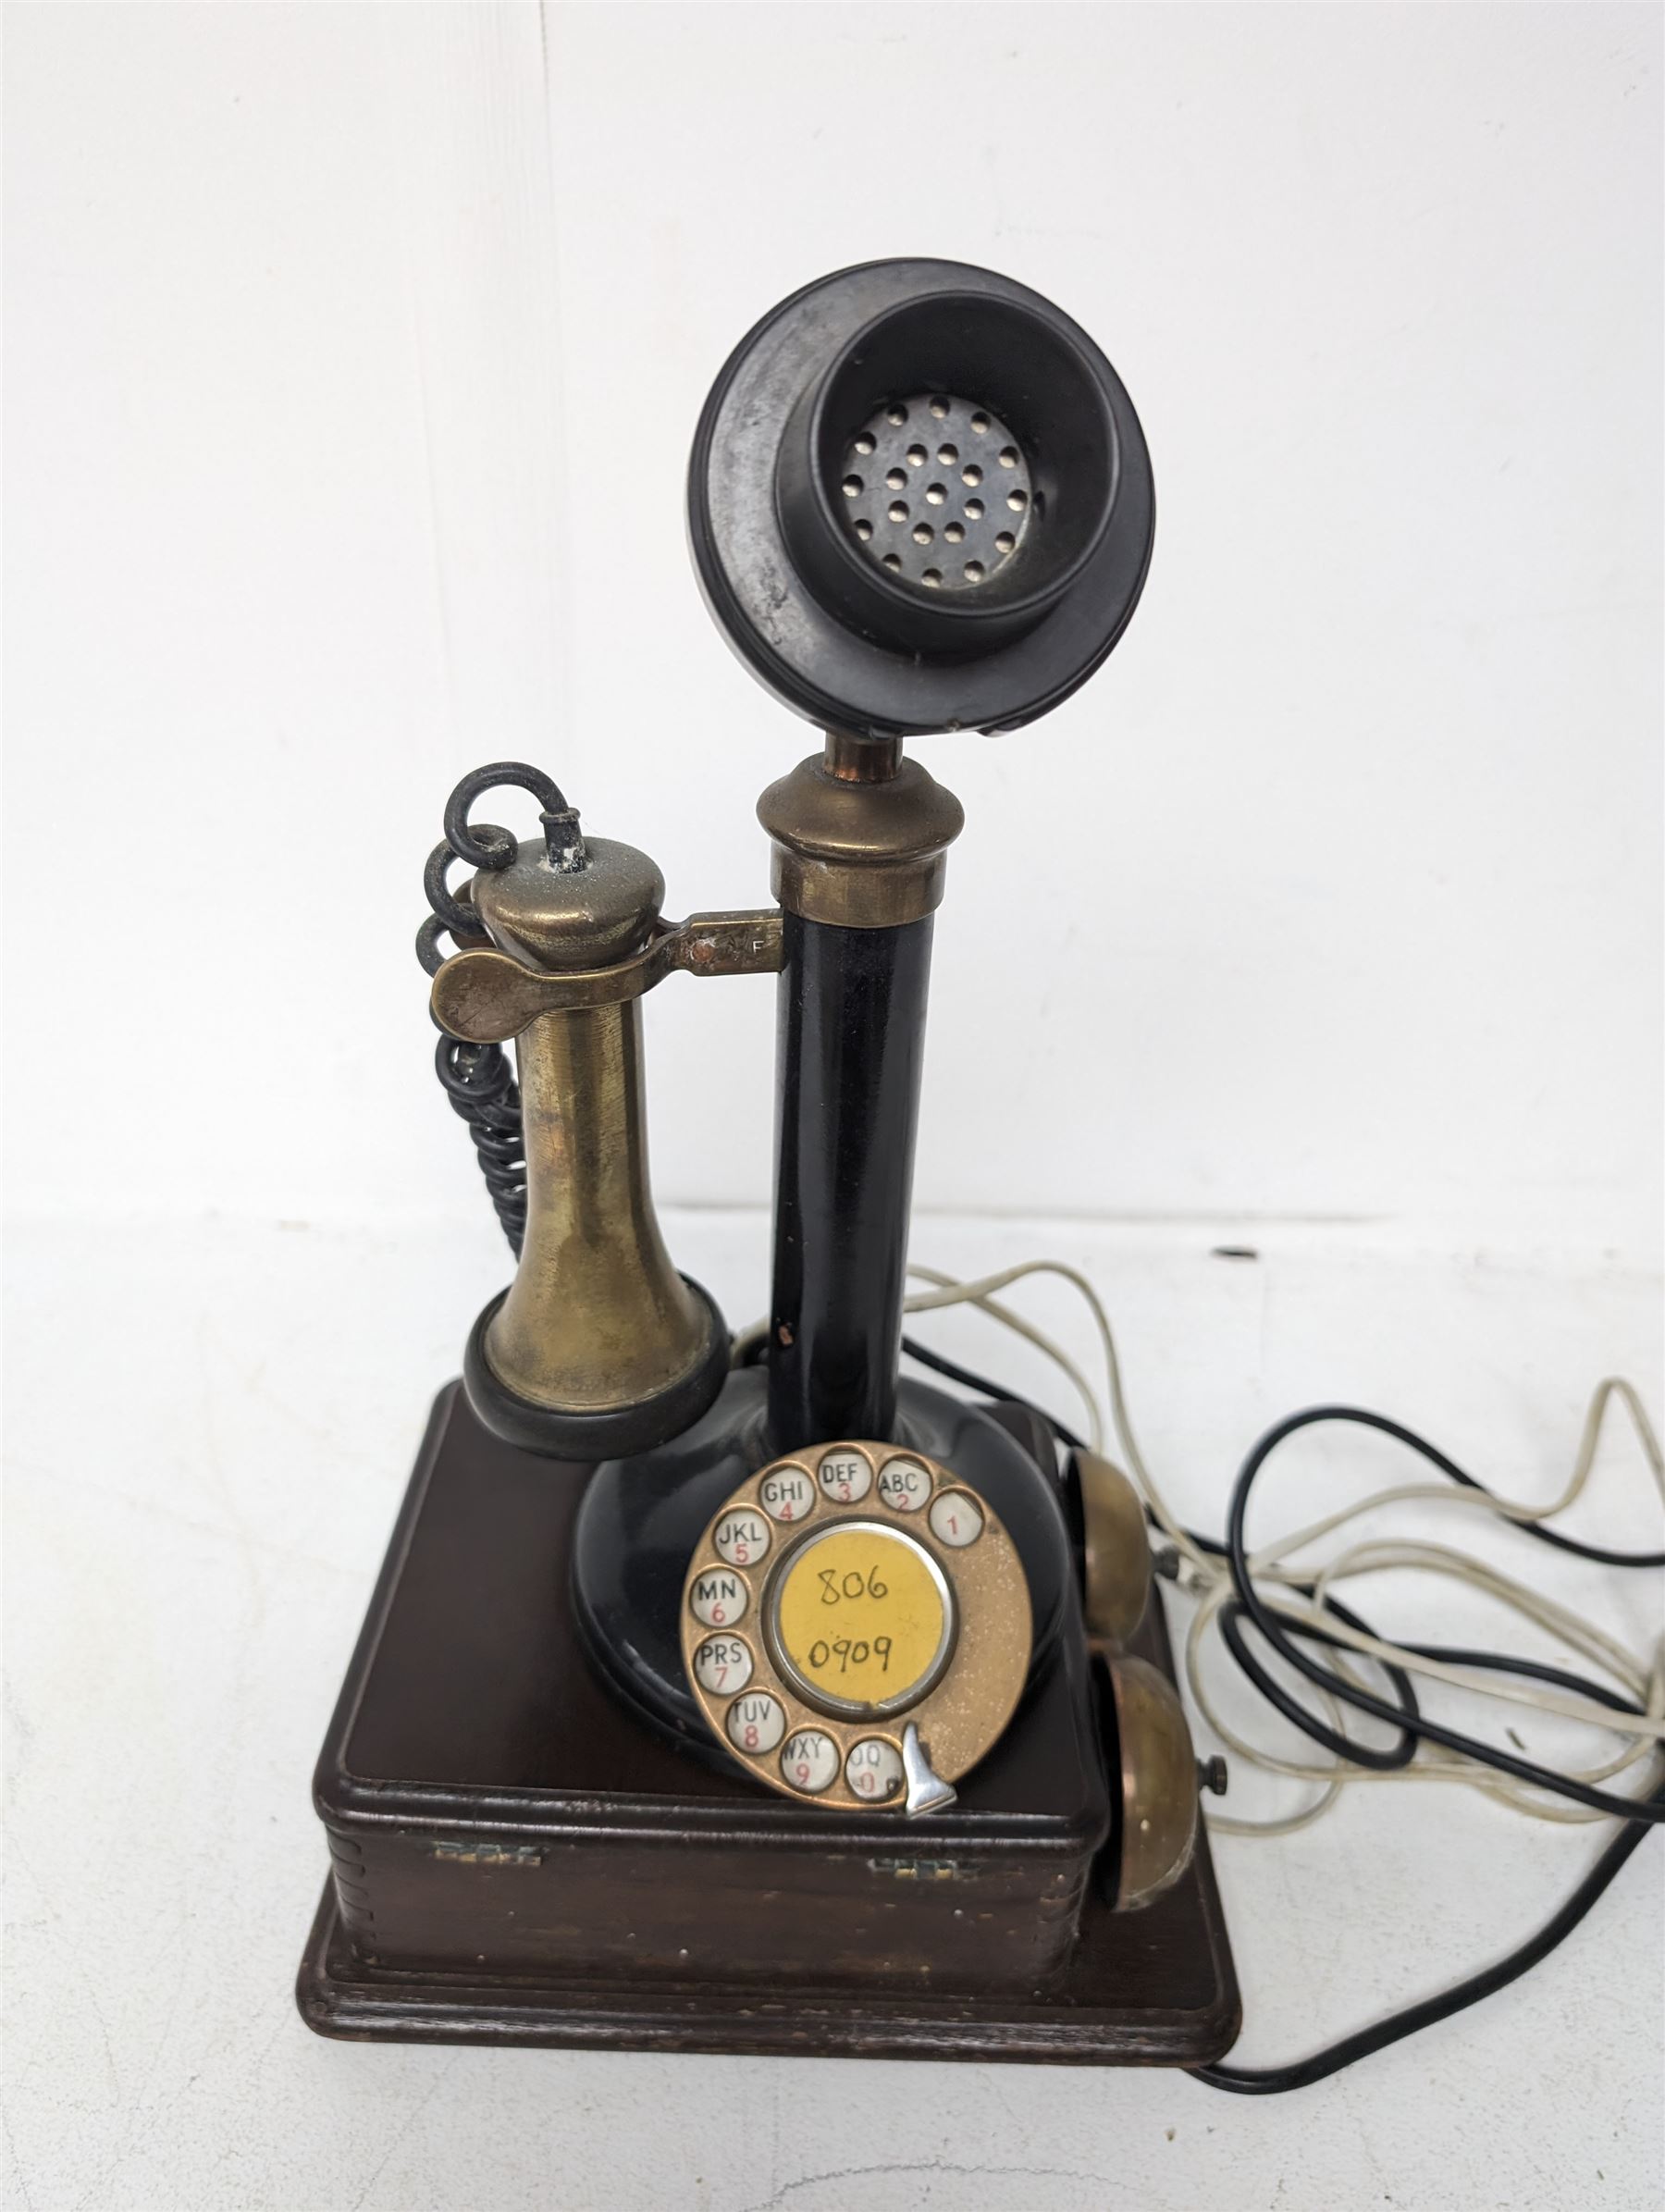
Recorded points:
(1650, 1810)
(1272, 2080)
(1639, 1814)
(1279, 1634)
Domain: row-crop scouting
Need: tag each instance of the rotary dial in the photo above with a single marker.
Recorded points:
(856, 1627)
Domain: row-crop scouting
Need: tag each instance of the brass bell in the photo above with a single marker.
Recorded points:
(1157, 1830)
(1115, 1551)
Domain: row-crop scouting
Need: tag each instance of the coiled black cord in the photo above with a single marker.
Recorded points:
(480, 1083)
(479, 1078)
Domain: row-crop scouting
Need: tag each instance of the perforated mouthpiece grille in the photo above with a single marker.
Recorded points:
(937, 493)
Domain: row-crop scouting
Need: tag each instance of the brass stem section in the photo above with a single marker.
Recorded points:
(597, 1315)
(860, 855)
(862, 760)
(485, 998)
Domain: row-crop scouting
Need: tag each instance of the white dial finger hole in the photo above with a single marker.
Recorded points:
(722, 1665)
(719, 1597)
(844, 1477)
(903, 1485)
(874, 1770)
(757, 1722)
(787, 1494)
(741, 1538)
(809, 1762)
(955, 1519)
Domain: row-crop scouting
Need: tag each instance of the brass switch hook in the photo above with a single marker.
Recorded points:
(484, 997)
(598, 1346)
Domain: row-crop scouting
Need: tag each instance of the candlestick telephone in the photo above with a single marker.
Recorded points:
(740, 1694)
(751, 1695)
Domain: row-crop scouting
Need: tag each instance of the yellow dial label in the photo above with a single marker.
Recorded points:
(863, 1616)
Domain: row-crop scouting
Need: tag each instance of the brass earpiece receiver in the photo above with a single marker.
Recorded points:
(598, 1346)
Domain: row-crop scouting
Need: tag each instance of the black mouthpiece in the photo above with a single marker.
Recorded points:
(920, 499)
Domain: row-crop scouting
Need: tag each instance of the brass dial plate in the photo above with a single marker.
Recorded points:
(841, 1594)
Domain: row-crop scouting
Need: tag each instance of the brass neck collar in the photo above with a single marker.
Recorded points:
(867, 851)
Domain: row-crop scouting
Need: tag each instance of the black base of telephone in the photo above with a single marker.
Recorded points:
(641, 1518)
(518, 1859)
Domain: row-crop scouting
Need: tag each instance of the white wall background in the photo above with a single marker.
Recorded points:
(353, 357)
(353, 353)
